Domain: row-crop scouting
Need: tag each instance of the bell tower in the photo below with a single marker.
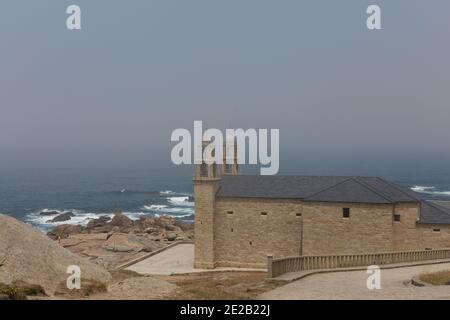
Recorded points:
(205, 169)
(230, 164)
(206, 184)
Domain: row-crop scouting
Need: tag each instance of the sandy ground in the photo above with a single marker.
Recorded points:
(352, 285)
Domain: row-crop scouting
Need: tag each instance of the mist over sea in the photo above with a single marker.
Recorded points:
(143, 184)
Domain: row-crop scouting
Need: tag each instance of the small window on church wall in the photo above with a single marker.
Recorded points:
(250, 242)
(230, 212)
(436, 230)
(346, 213)
(397, 217)
(264, 213)
(231, 229)
(298, 214)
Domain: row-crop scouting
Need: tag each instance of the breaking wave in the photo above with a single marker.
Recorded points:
(176, 204)
(155, 207)
(430, 190)
(181, 201)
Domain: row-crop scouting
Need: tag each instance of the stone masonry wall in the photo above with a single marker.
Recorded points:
(406, 235)
(410, 235)
(327, 232)
(244, 237)
(205, 192)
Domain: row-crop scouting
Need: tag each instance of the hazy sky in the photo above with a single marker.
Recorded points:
(139, 69)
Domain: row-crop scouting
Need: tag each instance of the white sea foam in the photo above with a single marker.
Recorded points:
(173, 193)
(42, 221)
(155, 207)
(430, 190)
(421, 188)
(175, 211)
(180, 201)
(179, 210)
(83, 218)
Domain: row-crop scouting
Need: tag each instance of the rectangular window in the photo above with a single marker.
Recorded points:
(346, 213)
(230, 212)
(436, 230)
(298, 214)
(264, 213)
(396, 217)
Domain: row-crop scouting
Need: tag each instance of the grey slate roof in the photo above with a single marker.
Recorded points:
(434, 213)
(316, 188)
(286, 187)
(350, 190)
(331, 189)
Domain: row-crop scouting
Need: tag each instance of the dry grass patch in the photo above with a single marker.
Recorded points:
(89, 287)
(20, 290)
(220, 285)
(436, 278)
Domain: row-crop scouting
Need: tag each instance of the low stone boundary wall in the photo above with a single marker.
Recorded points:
(277, 267)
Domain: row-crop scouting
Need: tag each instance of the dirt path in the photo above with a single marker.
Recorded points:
(352, 285)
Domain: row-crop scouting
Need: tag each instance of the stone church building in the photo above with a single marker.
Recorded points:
(241, 219)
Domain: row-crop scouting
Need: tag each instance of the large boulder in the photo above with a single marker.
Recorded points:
(62, 217)
(99, 222)
(48, 213)
(131, 243)
(64, 230)
(28, 255)
(99, 225)
(120, 242)
(122, 221)
(145, 222)
(171, 236)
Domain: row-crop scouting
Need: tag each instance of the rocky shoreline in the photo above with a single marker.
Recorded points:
(113, 242)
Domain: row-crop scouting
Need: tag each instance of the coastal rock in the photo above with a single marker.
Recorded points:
(131, 243)
(120, 242)
(183, 225)
(122, 221)
(64, 230)
(151, 230)
(48, 213)
(69, 242)
(89, 236)
(145, 222)
(171, 236)
(100, 222)
(28, 255)
(62, 217)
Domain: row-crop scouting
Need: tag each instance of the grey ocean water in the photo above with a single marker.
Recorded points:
(143, 185)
